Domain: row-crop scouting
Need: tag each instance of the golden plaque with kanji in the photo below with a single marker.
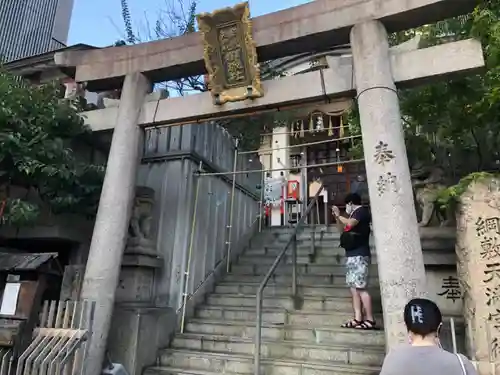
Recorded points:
(230, 54)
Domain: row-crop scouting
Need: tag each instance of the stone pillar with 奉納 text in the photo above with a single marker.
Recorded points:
(478, 256)
(397, 240)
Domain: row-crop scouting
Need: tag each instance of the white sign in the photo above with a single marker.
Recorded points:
(273, 190)
(9, 299)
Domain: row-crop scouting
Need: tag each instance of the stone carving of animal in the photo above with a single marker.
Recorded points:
(427, 182)
(142, 214)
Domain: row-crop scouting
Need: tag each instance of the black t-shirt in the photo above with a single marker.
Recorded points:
(363, 216)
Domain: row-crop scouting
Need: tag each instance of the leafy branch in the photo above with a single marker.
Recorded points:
(38, 168)
(450, 196)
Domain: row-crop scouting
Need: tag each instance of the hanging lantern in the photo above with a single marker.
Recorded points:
(340, 167)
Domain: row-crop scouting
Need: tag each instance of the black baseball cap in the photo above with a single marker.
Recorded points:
(422, 317)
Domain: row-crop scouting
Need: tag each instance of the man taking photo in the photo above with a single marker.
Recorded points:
(355, 239)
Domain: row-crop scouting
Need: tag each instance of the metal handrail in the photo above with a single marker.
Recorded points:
(279, 258)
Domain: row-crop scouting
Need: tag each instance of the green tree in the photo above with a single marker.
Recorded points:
(38, 168)
(455, 123)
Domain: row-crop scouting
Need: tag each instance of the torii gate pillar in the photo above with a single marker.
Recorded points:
(113, 215)
(397, 241)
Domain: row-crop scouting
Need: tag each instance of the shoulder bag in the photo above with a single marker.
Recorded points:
(462, 365)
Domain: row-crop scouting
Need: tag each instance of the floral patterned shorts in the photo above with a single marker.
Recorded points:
(357, 271)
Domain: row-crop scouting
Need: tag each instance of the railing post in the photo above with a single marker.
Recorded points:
(294, 267)
(258, 332)
(261, 203)
(313, 240)
(325, 209)
(187, 266)
(317, 213)
(231, 210)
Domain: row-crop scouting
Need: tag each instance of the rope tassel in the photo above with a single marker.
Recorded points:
(341, 133)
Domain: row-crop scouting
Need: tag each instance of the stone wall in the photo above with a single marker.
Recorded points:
(190, 226)
(478, 253)
(172, 156)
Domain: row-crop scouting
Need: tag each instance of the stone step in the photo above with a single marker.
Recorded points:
(302, 240)
(279, 349)
(321, 335)
(286, 289)
(305, 228)
(278, 316)
(286, 269)
(320, 250)
(312, 259)
(240, 364)
(308, 279)
(318, 303)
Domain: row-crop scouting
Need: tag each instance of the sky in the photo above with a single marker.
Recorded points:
(99, 22)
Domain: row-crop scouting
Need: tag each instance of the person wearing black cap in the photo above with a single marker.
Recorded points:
(424, 355)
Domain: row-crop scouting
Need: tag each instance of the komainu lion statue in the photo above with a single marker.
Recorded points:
(142, 214)
(427, 183)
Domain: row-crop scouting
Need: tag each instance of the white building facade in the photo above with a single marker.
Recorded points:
(286, 162)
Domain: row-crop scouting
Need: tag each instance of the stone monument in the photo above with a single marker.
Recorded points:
(135, 308)
(478, 257)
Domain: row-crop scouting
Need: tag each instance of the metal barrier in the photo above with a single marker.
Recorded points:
(59, 345)
(292, 241)
(5, 361)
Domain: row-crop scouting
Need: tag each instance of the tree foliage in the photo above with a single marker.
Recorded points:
(38, 168)
(175, 18)
(455, 123)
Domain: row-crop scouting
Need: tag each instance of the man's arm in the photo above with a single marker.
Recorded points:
(352, 222)
(341, 221)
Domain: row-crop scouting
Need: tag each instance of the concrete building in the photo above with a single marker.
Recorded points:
(33, 27)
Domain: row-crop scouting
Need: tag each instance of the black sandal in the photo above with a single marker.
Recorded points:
(367, 325)
(354, 323)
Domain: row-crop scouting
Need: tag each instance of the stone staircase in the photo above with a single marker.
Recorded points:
(219, 338)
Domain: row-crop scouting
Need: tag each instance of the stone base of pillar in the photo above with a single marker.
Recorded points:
(140, 261)
(487, 368)
(135, 336)
(137, 346)
(142, 246)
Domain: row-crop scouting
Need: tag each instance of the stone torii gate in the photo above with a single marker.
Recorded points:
(374, 72)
